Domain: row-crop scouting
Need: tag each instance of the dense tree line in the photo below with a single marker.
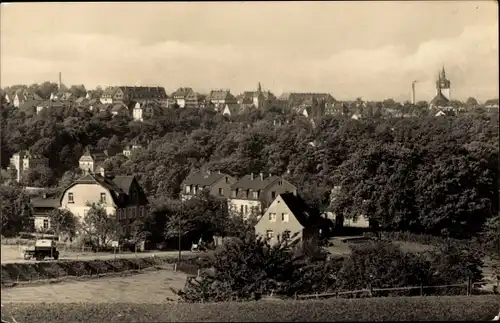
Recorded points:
(431, 175)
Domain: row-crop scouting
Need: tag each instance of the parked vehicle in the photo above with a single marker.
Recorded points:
(43, 248)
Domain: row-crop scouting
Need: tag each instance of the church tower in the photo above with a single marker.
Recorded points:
(443, 85)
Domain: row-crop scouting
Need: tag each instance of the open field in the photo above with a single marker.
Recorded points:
(458, 308)
(13, 254)
(148, 287)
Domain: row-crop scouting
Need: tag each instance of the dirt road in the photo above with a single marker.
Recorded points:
(12, 254)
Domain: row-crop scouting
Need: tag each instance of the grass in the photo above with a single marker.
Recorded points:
(459, 308)
(146, 287)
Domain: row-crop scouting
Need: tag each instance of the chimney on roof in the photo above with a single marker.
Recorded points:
(251, 176)
(261, 176)
(219, 171)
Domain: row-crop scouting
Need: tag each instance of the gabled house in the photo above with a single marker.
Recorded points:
(218, 184)
(121, 196)
(440, 102)
(491, 105)
(219, 98)
(42, 206)
(108, 94)
(231, 109)
(146, 110)
(288, 215)
(92, 159)
(185, 97)
(251, 194)
(24, 160)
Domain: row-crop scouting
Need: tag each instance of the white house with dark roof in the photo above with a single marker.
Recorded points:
(185, 97)
(288, 215)
(221, 98)
(251, 194)
(121, 196)
(92, 159)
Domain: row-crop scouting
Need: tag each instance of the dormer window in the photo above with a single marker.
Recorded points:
(256, 195)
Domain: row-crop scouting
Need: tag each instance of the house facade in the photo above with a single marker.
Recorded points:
(91, 160)
(185, 97)
(24, 160)
(218, 184)
(220, 98)
(252, 194)
(119, 195)
(289, 215)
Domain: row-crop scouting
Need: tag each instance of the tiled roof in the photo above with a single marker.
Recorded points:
(109, 92)
(203, 178)
(45, 202)
(440, 100)
(144, 92)
(182, 92)
(246, 182)
(306, 216)
(221, 95)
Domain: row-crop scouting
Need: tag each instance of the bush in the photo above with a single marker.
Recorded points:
(474, 308)
(382, 264)
(41, 270)
(247, 269)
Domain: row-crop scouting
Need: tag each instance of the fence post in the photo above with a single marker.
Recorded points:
(17, 279)
(317, 297)
(337, 294)
(421, 289)
(295, 295)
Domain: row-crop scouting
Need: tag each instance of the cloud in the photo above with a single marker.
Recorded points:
(471, 60)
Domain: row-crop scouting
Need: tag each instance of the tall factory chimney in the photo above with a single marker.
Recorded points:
(60, 81)
(413, 92)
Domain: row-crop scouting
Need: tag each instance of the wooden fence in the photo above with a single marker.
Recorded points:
(368, 292)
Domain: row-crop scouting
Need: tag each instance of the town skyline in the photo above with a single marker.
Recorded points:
(305, 52)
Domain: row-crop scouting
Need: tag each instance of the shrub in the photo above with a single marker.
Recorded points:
(246, 269)
(458, 308)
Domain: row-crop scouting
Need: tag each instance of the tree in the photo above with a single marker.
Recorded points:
(491, 236)
(98, 227)
(62, 221)
(78, 90)
(246, 269)
(15, 210)
(40, 176)
(471, 103)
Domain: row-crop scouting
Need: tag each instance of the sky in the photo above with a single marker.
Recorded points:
(372, 50)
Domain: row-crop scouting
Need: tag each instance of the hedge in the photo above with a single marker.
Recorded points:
(23, 272)
(451, 308)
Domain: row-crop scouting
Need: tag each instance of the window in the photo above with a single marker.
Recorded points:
(280, 183)
(286, 235)
(241, 209)
(273, 194)
(272, 217)
(227, 180)
(45, 223)
(188, 189)
(246, 209)
(70, 198)
(103, 197)
(284, 217)
(255, 195)
(269, 234)
(221, 191)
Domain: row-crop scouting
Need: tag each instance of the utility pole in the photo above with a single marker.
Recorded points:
(179, 231)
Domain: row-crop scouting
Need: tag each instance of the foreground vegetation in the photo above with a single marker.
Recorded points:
(25, 272)
(458, 308)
